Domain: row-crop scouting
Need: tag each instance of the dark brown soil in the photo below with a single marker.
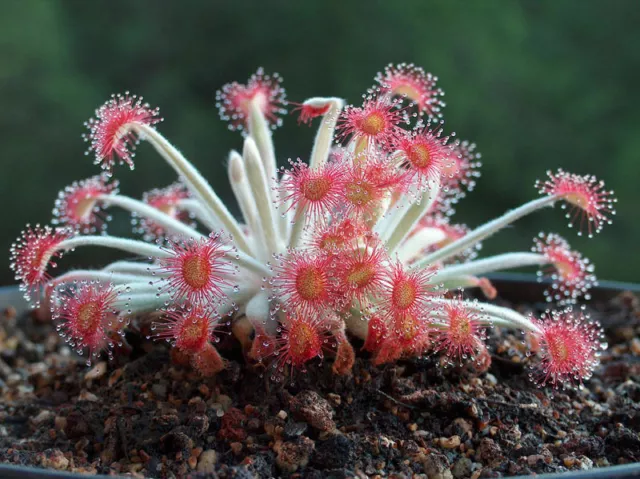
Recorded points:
(144, 415)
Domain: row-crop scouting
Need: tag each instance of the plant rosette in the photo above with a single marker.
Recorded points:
(356, 242)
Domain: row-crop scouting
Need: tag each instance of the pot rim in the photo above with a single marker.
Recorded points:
(614, 286)
(10, 471)
(624, 471)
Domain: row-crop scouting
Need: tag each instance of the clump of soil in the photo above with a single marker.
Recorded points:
(145, 415)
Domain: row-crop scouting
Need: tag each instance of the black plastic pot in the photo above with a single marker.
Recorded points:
(12, 296)
(627, 471)
(22, 472)
(512, 286)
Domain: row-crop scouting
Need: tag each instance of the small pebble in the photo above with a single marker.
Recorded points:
(207, 461)
(96, 372)
(450, 442)
(437, 466)
(585, 463)
(282, 415)
(314, 409)
(42, 417)
(491, 378)
(55, 459)
(60, 423)
(159, 390)
(13, 379)
(87, 396)
(290, 456)
(225, 401)
(462, 468)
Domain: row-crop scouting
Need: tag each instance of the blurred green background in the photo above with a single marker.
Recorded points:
(537, 84)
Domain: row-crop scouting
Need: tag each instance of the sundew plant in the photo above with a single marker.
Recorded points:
(356, 242)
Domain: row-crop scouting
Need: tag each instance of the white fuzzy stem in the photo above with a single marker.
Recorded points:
(101, 276)
(489, 314)
(409, 217)
(356, 324)
(244, 196)
(250, 263)
(142, 209)
(143, 286)
(139, 248)
(284, 213)
(474, 237)
(465, 281)
(151, 251)
(513, 319)
(486, 265)
(178, 227)
(381, 210)
(496, 321)
(414, 245)
(484, 319)
(319, 156)
(297, 229)
(129, 267)
(194, 181)
(264, 204)
(384, 224)
(144, 301)
(247, 291)
(395, 211)
(201, 214)
(261, 134)
(258, 312)
(324, 137)
(146, 298)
